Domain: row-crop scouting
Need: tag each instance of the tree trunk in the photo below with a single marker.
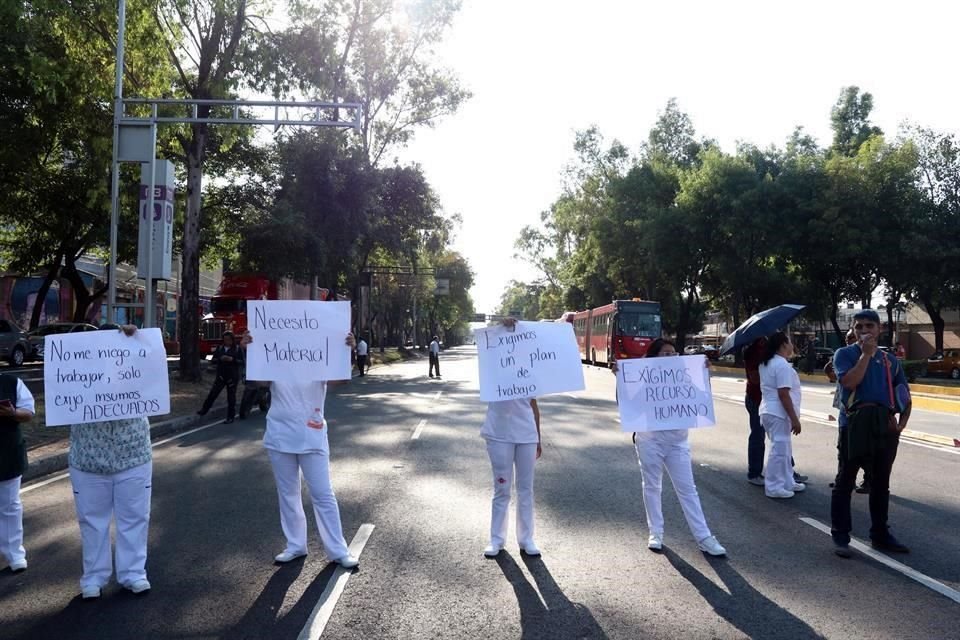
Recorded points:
(190, 277)
(81, 295)
(890, 327)
(933, 310)
(52, 272)
(834, 307)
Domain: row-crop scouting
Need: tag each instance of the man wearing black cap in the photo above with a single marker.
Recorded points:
(874, 393)
(228, 357)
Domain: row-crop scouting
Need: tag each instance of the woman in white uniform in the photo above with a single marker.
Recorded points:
(296, 441)
(670, 449)
(780, 415)
(512, 432)
(16, 407)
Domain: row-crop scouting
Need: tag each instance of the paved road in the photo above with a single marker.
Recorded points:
(422, 575)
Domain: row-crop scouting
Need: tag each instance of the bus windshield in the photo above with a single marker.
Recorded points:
(639, 323)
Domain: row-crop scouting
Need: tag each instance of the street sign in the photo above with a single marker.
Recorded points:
(157, 228)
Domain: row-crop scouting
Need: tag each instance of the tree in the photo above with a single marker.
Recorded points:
(850, 121)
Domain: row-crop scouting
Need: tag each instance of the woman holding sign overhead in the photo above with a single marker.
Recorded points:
(111, 470)
(670, 449)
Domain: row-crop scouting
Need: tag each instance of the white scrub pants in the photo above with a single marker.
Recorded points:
(293, 520)
(11, 521)
(512, 463)
(125, 497)
(779, 473)
(675, 456)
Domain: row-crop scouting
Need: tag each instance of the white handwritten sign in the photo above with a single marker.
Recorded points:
(664, 393)
(533, 359)
(298, 340)
(104, 375)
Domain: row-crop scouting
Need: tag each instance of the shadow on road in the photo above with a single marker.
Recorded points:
(744, 607)
(560, 618)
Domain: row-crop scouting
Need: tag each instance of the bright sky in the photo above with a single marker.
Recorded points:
(743, 69)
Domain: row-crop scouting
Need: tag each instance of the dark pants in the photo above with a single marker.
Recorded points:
(435, 363)
(756, 442)
(361, 363)
(880, 466)
(218, 385)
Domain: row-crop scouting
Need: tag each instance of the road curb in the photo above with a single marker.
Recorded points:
(937, 404)
(931, 438)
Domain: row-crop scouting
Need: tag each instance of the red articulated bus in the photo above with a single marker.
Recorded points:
(619, 330)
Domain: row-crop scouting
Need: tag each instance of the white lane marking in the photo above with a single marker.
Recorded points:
(437, 397)
(418, 430)
(913, 574)
(44, 483)
(328, 599)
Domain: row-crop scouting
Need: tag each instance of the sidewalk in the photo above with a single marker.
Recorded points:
(51, 456)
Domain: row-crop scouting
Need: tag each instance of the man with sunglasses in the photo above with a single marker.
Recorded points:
(875, 401)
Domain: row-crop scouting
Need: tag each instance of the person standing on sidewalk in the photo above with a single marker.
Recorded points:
(111, 470)
(435, 356)
(362, 355)
(16, 407)
(296, 441)
(670, 449)
(876, 400)
(780, 415)
(228, 357)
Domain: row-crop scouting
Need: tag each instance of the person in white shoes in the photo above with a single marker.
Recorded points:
(670, 449)
(512, 432)
(16, 407)
(296, 441)
(780, 415)
(111, 470)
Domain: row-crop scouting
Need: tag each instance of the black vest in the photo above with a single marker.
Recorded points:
(13, 450)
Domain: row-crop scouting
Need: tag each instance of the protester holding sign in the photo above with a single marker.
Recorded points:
(670, 449)
(512, 432)
(780, 415)
(296, 441)
(16, 407)
(111, 471)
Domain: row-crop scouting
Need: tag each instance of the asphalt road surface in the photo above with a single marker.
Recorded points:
(413, 481)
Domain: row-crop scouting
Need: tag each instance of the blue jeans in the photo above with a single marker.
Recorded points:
(755, 445)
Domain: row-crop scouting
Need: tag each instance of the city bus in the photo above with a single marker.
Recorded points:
(619, 330)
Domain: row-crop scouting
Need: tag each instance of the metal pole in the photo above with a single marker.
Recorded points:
(149, 300)
(115, 164)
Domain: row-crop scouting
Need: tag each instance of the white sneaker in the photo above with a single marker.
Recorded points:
(531, 549)
(289, 556)
(756, 481)
(655, 542)
(138, 586)
(798, 487)
(779, 493)
(348, 561)
(18, 565)
(712, 547)
(492, 551)
(90, 593)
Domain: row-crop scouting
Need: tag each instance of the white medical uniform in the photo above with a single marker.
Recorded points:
(776, 374)
(296, 440)
(669, 449)
(511, 434)
(11, 508)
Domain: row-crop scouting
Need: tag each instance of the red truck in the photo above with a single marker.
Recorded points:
(228, 306)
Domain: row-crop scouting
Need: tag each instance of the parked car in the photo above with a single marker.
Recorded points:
(14, 345)
(37, 335)
(944, 364)
(824, 355)
(711, 352)
(692, 350)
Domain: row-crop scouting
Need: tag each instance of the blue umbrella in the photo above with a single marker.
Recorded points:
(761, 325)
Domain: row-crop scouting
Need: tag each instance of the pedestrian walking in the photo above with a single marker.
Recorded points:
(111, 470)
(512, 432)
(362, 355)
(228, 358)
(16, 407)
(296, 442)
(780, 415)
(876, 400)
(435, 356)
(670, 449)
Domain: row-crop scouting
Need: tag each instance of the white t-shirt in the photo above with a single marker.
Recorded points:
(295, 422)
(510, 421)
(778, 374)
(362, 348)
(434, 347)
